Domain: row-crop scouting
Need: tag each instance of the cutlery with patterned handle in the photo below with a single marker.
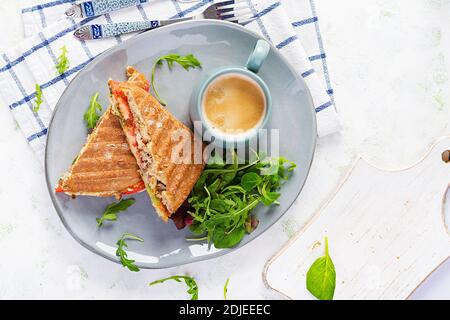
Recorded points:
(230, 10)
(96, 8)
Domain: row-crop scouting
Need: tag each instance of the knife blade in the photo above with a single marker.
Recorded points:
(96, 8)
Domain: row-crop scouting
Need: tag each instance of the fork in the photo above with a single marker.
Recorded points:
(229, 10)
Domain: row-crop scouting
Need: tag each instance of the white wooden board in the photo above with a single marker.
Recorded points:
(386, 231)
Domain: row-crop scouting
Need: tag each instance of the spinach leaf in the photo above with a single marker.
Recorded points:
(223, 239)
(250, 180)
(218, 205)
(321, 277)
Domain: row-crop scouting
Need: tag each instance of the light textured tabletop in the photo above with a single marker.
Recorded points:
(389, 68)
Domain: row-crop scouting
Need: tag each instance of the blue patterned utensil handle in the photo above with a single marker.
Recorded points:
(96, 8)
(101, 31)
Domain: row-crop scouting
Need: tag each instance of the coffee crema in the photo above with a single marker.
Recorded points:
(234, 104)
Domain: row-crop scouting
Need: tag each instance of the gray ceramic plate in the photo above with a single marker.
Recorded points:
(215, 44)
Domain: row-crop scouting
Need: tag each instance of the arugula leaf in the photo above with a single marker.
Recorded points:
(38, 100)
(225, 195)
(63, 63)
(91, 116)
(122, 254)
(112, 211)
(321, 277)
(283, 170)
(225, 289)
(187, 62)
(190, 282)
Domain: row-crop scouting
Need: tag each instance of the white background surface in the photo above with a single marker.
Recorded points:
(389, 64)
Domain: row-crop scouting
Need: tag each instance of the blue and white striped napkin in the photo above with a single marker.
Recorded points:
(295, 32)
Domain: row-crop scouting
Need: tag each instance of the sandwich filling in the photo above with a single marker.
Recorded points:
(140, 146)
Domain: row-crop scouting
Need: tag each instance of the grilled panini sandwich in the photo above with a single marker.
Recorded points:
(150, 130)
(105, 166)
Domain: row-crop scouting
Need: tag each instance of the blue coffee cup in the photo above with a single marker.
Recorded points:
(250, 71)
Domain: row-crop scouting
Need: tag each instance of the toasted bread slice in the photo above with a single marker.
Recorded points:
(105, 166)
(155, 136)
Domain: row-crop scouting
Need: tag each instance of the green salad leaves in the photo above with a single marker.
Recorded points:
(225, 195)
(62, 62)
(112, 211)
(122, 254)
(38, 99)
(91, 116)
(187, 62)
(321, 277)
(190, 282)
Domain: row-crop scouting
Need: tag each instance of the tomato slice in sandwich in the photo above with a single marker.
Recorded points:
(125, 112)
(135, 189)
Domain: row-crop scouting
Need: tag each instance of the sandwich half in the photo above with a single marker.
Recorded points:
(105, 166)
(154, 136)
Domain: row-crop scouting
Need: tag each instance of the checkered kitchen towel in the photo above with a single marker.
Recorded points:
(295, 32)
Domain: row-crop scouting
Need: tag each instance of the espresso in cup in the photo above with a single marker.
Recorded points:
(234, 104)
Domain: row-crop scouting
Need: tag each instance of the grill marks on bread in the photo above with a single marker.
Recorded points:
(105, 166)
(156, 128)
